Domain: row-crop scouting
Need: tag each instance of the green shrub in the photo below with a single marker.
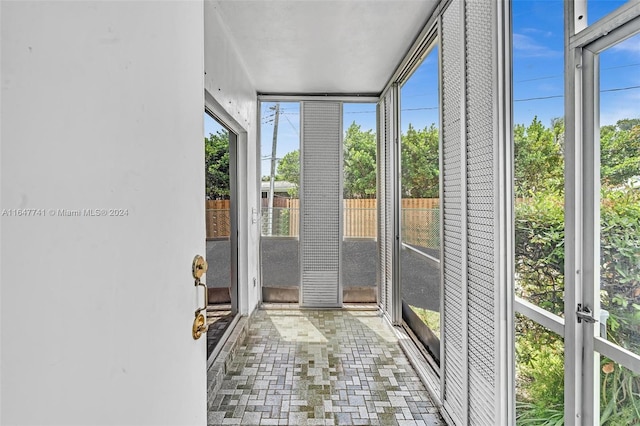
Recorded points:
(539, 250)
(539, 256)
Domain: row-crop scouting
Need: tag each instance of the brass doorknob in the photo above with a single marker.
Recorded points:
(199, 267)
(199, 326)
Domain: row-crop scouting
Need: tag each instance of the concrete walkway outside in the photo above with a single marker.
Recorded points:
(420, 277)
(321, 367)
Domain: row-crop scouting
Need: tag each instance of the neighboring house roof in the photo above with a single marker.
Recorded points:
(278, 186)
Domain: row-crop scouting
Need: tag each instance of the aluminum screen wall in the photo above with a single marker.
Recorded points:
(482, 202)
(386, 138)
(321, 204)
(382, 191)
(454, 338)
(477, 209)
(475, 354)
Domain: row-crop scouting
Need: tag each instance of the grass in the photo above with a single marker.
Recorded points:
(430, 318)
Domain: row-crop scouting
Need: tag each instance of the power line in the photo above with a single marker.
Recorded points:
(562, 75)
(538, 98)
(419, 109)
(547, 77)
(620, 89)
(615, 89)
(292, 126)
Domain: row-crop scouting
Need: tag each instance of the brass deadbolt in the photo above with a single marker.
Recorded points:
(199, 326)
(199, 267)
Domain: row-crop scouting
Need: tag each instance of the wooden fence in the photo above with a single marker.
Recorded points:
(360, 219)
(218, 219)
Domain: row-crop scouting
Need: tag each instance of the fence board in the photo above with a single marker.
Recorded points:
(360, 218)
(218, 219)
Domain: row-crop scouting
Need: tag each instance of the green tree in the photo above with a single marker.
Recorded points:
(620, 152)
(538, 154)
(420, 163)
(628, 123)
(359, 163)
(289, 170)
(216, 149)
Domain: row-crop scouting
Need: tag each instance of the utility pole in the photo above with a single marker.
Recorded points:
(273, 165)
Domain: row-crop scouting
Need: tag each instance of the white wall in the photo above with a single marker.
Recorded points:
(231, 94)
(101, 108)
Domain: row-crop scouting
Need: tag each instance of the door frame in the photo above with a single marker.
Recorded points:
(583, 165)
(238, 138)
(300, 98)
(582, 342)
(233, 210)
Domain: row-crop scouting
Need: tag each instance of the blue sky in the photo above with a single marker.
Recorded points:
(538, 80)
(211, 125)
(538, 64)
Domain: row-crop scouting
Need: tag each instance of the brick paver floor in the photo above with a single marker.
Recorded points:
(218, 319)
(321, 367)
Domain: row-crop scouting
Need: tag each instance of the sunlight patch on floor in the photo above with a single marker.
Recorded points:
(376, 324)
(296, 328)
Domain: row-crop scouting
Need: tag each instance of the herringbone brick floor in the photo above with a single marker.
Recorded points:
(321, 367)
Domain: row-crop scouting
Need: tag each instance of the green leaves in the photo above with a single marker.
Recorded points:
(420, 163)
(359, 163)
(216, 151)
(539, 250)
(539, 161)
(620, 152)
(289, 170)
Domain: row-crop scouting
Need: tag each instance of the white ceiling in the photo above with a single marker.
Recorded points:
(330, 46)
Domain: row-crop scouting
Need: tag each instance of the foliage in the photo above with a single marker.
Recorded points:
(539, 250)
(430, 318)
(539, 264)
(216, 151)
(539, 257)
(620, 395)
(420, 163)
(540, 374)
(283, 222)
(620, 264)
(359, 163)
(538, 157)
(289, 170)
(620, 152)
(528, 414)
(539, 270)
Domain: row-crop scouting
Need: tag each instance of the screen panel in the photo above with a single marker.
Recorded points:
(454, 369)
(321, 218)
(481, 211)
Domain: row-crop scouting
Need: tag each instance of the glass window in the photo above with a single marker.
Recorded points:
(280, 165)
(597, 9)
(620, 192)
(420, 202)
(359, 247)
(538, 144)
(619, 394)
(538, 111)
(539, 374)
(218, 199)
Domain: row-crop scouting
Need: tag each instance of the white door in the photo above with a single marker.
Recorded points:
(102, 181)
